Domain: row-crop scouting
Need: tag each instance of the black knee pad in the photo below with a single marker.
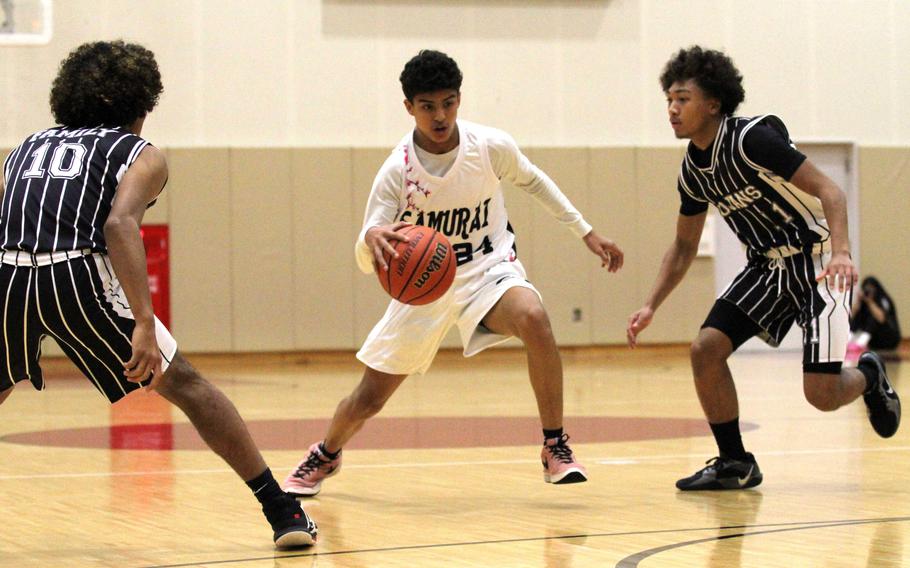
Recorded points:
(732, 322)
(832, 368)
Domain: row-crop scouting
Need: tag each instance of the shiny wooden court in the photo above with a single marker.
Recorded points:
(448, 474)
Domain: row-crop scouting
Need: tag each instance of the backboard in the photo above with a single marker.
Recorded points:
(26, 22)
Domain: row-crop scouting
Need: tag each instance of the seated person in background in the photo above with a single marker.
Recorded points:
(873, 324)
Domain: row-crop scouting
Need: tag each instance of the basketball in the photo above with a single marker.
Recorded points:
(424, 269)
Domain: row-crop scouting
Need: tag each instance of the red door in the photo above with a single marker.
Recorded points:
(155, 238)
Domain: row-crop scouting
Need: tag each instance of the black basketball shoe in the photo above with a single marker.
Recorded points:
(723, 473)
(882, 402)
(291, 524)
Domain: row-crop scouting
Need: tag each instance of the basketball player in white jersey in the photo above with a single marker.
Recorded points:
(73, 267)
(792, 220)
(446, 174)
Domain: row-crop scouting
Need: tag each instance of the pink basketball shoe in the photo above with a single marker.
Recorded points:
(559, 465)
(306, 479)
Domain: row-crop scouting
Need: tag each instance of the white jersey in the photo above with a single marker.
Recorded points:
(466, 204)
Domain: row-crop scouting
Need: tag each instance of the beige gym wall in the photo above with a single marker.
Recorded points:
(262, 243)
(277, 113)
(574, 73)
(250, 273)
(884, 174)
(290, 281)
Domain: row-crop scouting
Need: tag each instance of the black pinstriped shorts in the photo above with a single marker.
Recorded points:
(79, 303)
(776, 292)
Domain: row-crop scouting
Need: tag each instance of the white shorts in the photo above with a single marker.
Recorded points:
(406, 339)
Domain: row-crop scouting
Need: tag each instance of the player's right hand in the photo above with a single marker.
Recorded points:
(377, 239)
(146, 359)
(638, 321)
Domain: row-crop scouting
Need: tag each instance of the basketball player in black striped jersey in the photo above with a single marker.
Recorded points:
(73, 267)
(793, 221)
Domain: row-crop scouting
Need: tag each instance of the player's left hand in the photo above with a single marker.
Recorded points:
(610, 254)
(840, 272)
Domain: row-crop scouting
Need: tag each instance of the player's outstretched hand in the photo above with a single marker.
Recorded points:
(638, 321)
(609, 252)
(840, 272)
(146, 359)
(377, 239)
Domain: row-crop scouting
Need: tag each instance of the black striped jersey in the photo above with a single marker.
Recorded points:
(60, 184)
(745, 174)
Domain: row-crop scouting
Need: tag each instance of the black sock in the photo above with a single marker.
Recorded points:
(871, 374)
(264, 487)
(555, 433)
(327, 453)
(729, 440)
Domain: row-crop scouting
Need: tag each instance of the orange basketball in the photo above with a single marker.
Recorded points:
(424, 269)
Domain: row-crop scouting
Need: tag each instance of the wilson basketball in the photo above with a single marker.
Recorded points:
(424, 269)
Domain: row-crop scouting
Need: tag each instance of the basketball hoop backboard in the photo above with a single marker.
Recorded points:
(26, 22)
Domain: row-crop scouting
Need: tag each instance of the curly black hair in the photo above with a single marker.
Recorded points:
(108, 83)
(713, 71)
(429, 71)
